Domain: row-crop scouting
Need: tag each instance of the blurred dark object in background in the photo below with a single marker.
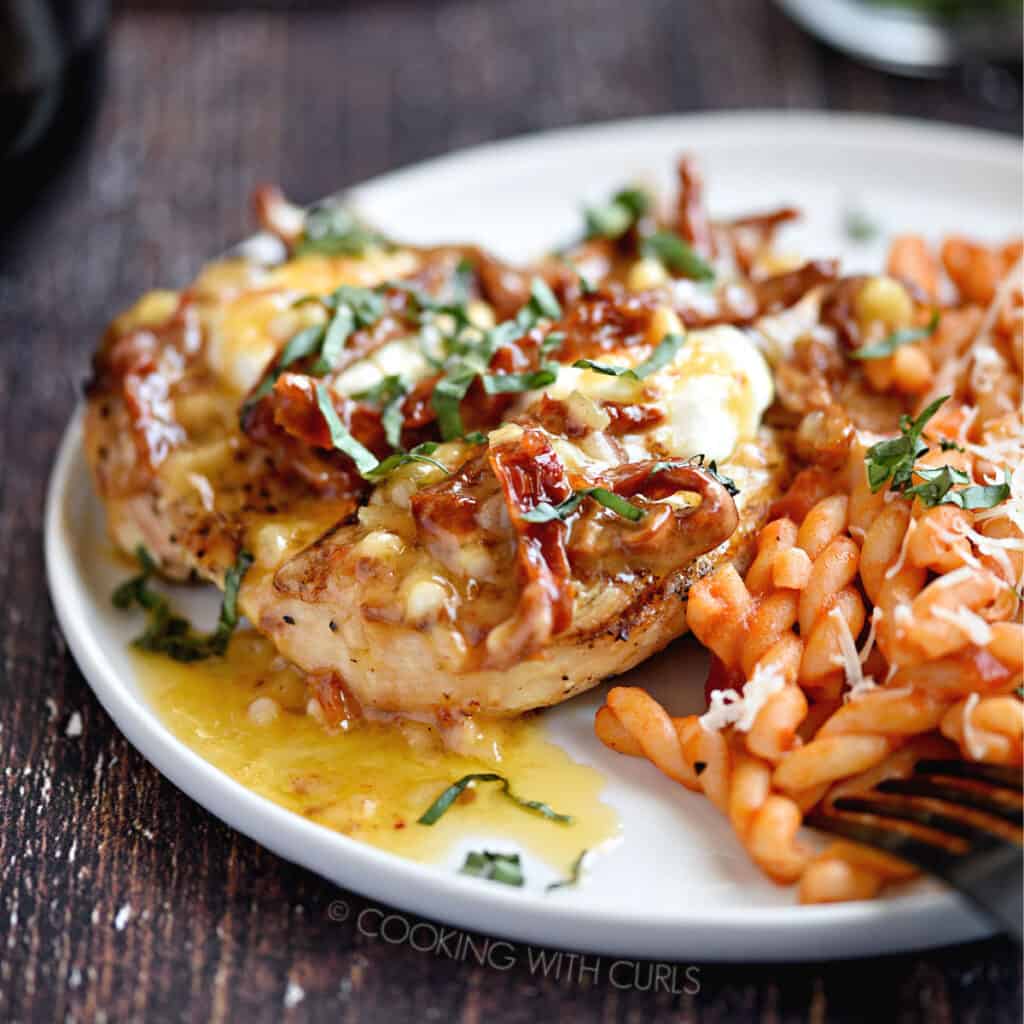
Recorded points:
(916, 37)
(52, 59)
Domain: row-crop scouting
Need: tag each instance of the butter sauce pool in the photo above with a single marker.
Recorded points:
(247, 715)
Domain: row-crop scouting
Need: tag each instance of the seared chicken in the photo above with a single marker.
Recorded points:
(459, 494)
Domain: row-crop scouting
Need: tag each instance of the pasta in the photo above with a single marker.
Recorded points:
(880, 618)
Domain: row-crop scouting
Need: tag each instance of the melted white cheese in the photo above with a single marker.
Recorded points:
(712, 395)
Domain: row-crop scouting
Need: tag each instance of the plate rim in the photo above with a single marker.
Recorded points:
(917, 920)
(841, 127)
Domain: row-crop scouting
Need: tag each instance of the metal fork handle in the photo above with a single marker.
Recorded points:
(993, 880)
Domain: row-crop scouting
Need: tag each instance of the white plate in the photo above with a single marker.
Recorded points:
(678, 885)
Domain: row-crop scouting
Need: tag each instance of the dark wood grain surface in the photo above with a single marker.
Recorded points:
(120, 899)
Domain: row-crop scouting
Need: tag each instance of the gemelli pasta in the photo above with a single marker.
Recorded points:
(880, 618)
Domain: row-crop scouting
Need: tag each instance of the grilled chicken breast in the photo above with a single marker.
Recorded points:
(459, 495)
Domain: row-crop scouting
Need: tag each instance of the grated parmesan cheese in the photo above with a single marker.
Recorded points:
(849, 660)
(897, 566)
(971, 624)
(951, 538)
(869, 643)
(953, 369)
(972, 741)
(730, 708)
(953, 579)
(968, 421)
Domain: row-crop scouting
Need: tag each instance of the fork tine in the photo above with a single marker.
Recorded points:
(905, 810)
(1003, 776)
(928, 787)
(927, 856)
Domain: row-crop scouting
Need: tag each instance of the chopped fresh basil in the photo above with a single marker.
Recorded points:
(351, 308)
(390, 393)
(677, 255)
(710, 467)
(508, 383)
(613, 219)
(938, 483)
(331, 230)
(950, 446)
(495, 867)
(434, 812)
(338, 331)
(575, 873)
(170, 634)
(980, 495)
(859, 227)
(893, 460)
(136, 590)
(617, 504)
(896, 340)
(391, 416)
(544, 512)
(552, 342)
(476, 437)
(421, 453)
(662, 355)
(726, 481)
(228, 618)
(471, 358)
(426, 307)
(542, 303)
(462, 281)
(341, 439)
(366, 304)
(301, 345)
(608, 371)
(448, 394)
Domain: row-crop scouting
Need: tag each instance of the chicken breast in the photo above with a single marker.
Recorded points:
(455, 500)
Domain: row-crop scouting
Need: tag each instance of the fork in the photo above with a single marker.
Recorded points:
(957, 820)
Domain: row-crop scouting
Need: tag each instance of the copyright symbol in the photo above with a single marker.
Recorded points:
(337, 910)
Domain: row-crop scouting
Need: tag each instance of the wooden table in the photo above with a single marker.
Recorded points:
(119, 897)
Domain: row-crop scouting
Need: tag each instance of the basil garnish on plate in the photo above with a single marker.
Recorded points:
(171, 634)
(575, 873)
(437, 809)
(495, 867)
